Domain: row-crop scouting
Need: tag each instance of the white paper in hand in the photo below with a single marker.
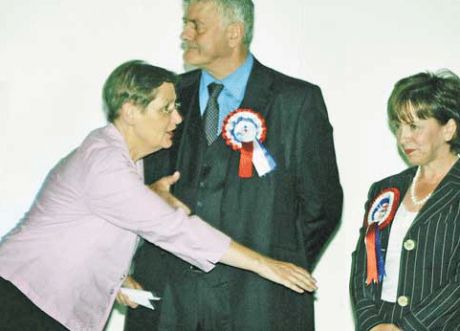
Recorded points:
(140, 297)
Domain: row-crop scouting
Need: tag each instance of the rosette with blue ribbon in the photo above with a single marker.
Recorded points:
(380, 214)
(245, 130)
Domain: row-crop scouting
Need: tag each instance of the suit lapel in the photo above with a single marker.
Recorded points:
(258, 91)
(190, 144)
(402, 183)
(258, 97)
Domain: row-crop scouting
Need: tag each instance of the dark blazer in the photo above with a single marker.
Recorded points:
(288, 214)
(429, 280)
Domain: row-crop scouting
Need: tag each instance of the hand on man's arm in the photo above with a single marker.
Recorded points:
(284, 273)
(162, 187)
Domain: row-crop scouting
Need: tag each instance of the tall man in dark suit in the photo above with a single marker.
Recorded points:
(288, 211)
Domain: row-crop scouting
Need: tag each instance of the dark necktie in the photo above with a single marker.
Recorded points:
(211, 113)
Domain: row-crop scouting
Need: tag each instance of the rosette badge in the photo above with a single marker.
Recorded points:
(245, 130)
(380, 214)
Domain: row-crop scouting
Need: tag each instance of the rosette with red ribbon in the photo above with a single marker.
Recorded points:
(380, 214)
(245, 130)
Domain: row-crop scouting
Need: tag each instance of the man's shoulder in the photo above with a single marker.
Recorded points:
(282, 80)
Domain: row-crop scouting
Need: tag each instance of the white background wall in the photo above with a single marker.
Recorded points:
(56, 54)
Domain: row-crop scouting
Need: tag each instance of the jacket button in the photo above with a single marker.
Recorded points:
(409, 245)
(403, 301)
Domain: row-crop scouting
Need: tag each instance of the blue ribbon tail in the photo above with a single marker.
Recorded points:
(378, 249)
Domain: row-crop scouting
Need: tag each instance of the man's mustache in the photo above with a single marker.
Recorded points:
(186, 45)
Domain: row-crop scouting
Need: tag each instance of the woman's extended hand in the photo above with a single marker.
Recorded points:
(162, 188)
(287, 274)
(385, 327)
(124, 299)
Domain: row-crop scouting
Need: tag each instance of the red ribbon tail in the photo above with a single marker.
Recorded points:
(372, 273)
(245, 170)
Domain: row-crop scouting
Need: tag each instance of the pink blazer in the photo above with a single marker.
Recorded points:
(73, 249)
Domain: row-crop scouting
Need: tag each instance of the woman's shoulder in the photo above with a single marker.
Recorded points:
(409, 172)
(399, 180)
(103, 146)
(106, 137)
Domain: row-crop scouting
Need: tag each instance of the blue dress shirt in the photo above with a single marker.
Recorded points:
(233, 92)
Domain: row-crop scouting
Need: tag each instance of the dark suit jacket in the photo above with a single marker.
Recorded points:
(430, 272)
(287, 214)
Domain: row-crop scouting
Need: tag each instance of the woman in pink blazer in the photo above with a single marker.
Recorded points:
(62, 266)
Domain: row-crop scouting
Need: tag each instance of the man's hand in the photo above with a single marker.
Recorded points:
(162, 188)
(124, 299)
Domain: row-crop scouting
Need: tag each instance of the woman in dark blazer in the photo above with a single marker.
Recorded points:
(406, 266)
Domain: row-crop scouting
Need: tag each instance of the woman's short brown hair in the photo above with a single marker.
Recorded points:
(427, 95)
(134, 81)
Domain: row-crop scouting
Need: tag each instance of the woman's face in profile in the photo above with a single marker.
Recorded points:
(423, 140)
(155, 124)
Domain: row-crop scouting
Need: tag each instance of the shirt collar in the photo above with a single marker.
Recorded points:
(236, 82)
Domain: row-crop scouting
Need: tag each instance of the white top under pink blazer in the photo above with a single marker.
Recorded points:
(73, 249)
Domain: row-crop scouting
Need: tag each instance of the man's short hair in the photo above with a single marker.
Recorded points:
(232, 11)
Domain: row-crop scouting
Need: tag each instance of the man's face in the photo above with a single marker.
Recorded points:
(204, 36)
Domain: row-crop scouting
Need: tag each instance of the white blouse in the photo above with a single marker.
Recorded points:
(401, 224)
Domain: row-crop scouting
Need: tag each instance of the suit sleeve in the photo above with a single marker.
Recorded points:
(319, 190)
(437, 309)
(362, 295)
